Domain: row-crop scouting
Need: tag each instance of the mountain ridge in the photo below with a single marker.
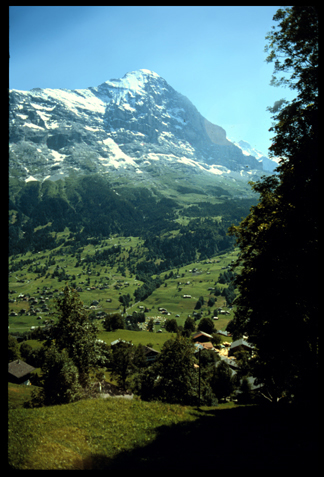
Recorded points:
(125, 126)
(131, 157)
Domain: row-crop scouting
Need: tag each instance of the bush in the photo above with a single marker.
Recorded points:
(60, 383)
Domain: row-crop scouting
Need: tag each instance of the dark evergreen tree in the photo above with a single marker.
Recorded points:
(113, 322)
(190, 324)
(221, 381)
(278, 240)
(121, 361)
(13, 349)
(207, 325)
(171, 325)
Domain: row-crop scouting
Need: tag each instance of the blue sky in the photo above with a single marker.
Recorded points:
(213, 55)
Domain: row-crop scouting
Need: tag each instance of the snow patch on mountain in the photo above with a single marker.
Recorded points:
(135, 124)
(268, 164)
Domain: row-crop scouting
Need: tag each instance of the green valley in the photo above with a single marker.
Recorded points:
(104, 272)
(109, 240)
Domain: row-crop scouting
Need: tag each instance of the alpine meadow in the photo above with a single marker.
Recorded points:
(163, 295)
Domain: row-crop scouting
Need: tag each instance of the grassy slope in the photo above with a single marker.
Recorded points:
(26, 281)
(131, 434)
(136, 337)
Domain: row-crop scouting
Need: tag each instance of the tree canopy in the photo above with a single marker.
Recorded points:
(113, 322)
(278, 240)
(75, 334)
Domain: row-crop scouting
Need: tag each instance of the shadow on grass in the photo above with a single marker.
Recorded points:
(240, 438)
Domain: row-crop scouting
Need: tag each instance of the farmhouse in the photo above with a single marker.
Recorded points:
(230, 361)
(118, 341)
(208, 345)
(202, 346)
(198, 347)
(19, 372)
(201, 337)
(238, 345)
(150, 353)
(223, 333)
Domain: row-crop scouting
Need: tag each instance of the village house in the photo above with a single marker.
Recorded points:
(19, 372)
(231, 362)
(239, 345)
(223, 333)
(203, 341)
(208, 345)
(150, 353)
(201, 337)
(118, 341)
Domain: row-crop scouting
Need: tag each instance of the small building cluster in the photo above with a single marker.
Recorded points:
(203, 341)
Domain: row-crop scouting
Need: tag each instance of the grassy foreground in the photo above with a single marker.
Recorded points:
(131, 434)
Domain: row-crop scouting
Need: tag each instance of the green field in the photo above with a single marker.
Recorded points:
(36, 276)
(121, 434)
(155, 340)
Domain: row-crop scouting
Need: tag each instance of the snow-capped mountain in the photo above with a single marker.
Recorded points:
(137, 126)
(268, 164)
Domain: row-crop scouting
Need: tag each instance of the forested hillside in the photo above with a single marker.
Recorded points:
(91, 207)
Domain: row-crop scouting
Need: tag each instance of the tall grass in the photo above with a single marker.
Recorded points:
(117, 434)
(71, 436)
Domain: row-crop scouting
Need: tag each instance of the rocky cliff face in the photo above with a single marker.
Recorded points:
(131, 125)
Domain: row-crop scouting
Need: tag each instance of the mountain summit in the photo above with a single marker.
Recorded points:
(136, 126)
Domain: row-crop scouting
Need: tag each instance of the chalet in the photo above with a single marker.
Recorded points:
(223, 333)
(118, 341)
(201, 337)
(208, 345)
(198, 347)
(231, 362)
(150, 353)
(19, 372)
(239, 345)
(202, 346)
(231, 370)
